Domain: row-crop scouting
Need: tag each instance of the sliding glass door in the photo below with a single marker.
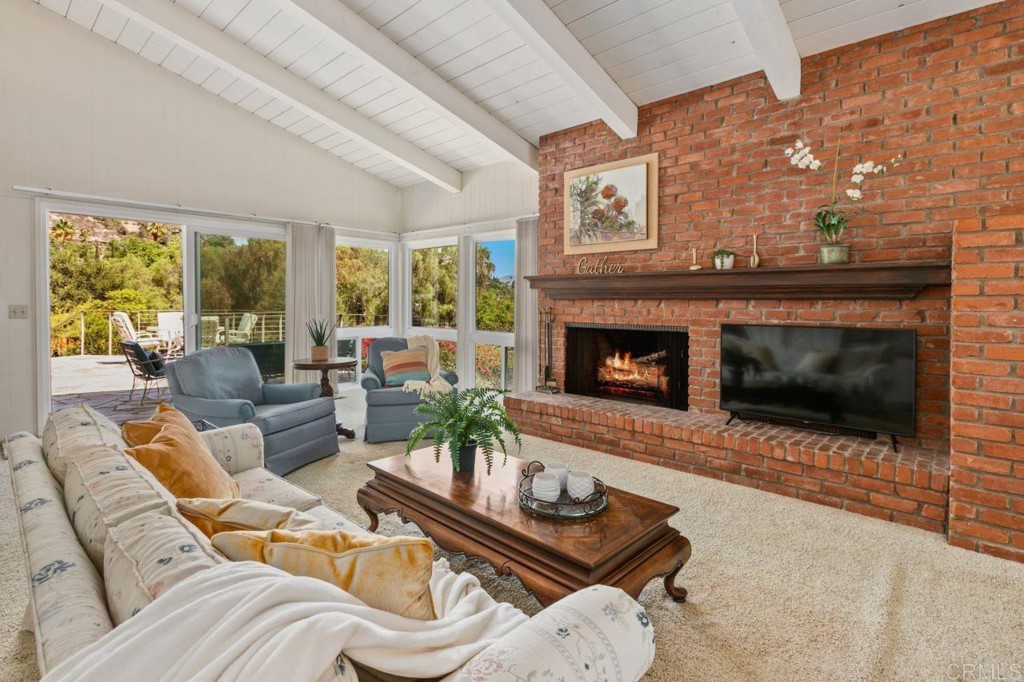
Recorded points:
(240, 294)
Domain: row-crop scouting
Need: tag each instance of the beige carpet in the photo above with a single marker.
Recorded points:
(779, 588)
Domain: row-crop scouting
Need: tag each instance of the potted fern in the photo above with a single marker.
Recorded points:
(464, 421)
(320, 333)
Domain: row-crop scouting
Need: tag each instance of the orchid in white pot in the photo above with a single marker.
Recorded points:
(832, 218)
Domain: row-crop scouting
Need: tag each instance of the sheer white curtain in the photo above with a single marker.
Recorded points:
(311, 291)
(527, 368)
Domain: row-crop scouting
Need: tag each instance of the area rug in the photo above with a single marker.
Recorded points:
(778, 588)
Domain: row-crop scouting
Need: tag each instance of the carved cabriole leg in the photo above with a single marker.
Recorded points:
(374, 521)
(678, 594)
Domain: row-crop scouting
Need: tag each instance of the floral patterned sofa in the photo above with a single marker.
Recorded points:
(102, 538)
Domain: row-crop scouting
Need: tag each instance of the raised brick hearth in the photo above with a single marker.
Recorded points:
(850, 473)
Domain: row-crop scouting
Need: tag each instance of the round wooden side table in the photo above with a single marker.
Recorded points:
(326, 389)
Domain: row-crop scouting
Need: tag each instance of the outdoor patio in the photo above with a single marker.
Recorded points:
(104, 383)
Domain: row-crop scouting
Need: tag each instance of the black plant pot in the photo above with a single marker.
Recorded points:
(467, 458)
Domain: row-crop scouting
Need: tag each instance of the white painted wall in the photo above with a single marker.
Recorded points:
(502, 190)
(81, 114)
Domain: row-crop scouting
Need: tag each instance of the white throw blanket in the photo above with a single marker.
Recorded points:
(247, 621)
(437, 383)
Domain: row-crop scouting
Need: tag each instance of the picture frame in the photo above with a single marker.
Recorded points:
(612, 206)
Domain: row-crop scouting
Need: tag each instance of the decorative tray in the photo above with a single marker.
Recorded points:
(564, 508)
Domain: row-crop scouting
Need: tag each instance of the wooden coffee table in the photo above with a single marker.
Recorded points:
(479, 515)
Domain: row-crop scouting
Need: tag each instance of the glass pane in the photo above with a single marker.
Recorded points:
(363, 286)
(447, 351)
(495, 285)
(365, 352)
(435, 285)
(346, 348)
(494, 366)
(241, 298)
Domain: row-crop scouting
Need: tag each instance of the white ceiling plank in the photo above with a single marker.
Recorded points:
(535, 23)
(59, 6)
(220, 13)
(84, 12)
(827, 29)
(766, 27)
(134, 36)
(402, 69)
(251, 19)
(197, 36)
(109, 24)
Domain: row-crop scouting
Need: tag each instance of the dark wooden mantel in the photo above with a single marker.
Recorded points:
(898, 280)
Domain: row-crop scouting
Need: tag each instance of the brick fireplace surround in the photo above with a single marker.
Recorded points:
(950, 94)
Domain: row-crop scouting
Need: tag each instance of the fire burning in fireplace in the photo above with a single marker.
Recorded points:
(643, 377)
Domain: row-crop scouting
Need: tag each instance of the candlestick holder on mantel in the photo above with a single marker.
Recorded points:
(549, 385)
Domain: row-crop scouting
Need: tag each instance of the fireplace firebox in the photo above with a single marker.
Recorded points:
(635, 363)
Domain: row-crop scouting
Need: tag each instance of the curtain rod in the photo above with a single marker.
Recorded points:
(178, 208)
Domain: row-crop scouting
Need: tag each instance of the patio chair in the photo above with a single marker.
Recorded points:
(126, 330)
(246, 326)
(210, 331)
(170, 327)
(223, 386)
(390, 412)
(146, 369)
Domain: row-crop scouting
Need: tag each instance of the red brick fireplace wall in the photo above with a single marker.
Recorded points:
(950, 96)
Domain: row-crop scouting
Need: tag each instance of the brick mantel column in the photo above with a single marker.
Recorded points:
(987, 398)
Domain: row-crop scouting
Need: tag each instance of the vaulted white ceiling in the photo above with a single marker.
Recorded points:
(474, 82)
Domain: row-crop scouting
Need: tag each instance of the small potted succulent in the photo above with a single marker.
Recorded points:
(464, 421)
(321, 332)
(724, 259)
(832, 219)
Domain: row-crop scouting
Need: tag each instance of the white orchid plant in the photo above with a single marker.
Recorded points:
(832, 218)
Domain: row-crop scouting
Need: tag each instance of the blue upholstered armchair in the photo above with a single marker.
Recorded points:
(224, 387)
(390, 412)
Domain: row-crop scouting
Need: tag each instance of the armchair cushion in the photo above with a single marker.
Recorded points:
(391, 396)
(281, 394)
(451, 377)
(274, 418)
(220, 374)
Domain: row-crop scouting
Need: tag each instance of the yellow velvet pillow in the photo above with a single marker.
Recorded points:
(180, 460)
(213, 516)
(391, 574)
(143, 432)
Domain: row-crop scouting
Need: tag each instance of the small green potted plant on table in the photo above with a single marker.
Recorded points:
(320, 333)
(832, 218)
(464, 421)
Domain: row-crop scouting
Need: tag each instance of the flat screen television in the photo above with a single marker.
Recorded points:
(847, 377)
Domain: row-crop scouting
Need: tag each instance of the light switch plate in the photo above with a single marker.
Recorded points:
(17, 312)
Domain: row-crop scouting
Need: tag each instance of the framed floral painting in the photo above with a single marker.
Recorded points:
(612, 207)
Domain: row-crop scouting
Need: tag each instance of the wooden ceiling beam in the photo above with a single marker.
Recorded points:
(766, 27)
(192, 33)
(377, 51)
